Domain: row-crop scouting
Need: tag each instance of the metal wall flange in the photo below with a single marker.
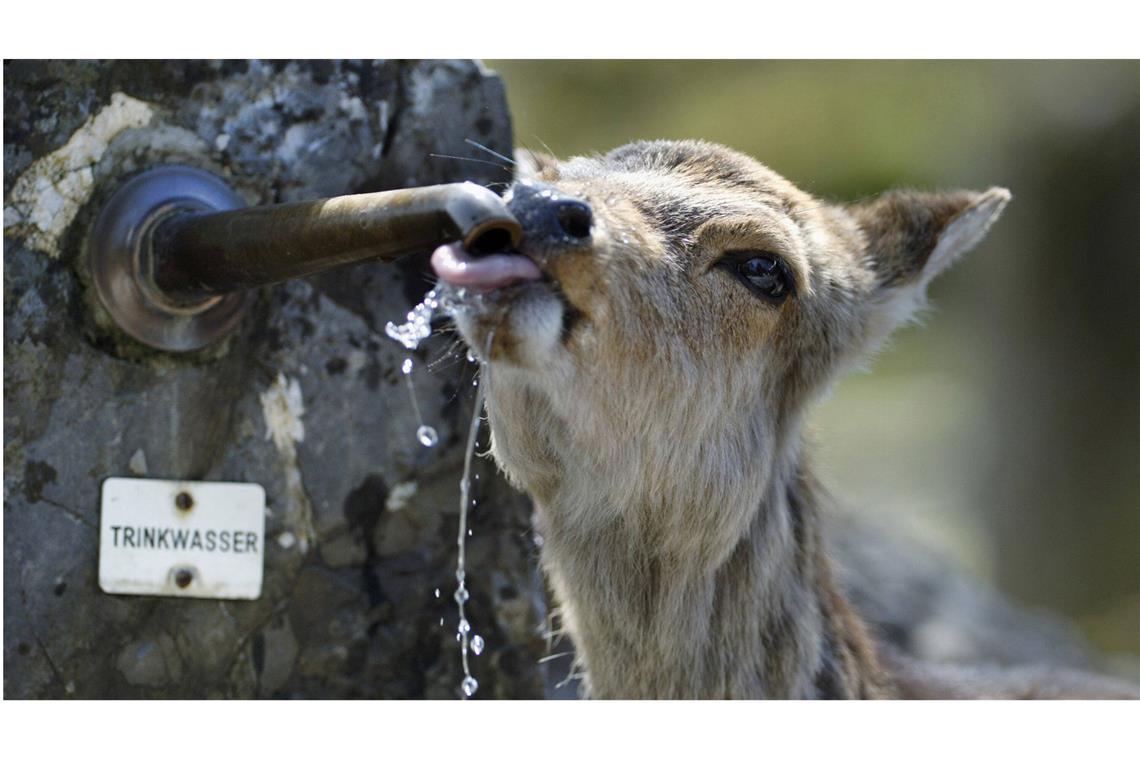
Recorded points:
(121, 259)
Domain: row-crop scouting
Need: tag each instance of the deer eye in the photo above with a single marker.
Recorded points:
(765, 274)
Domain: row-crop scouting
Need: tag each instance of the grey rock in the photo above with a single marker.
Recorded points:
(347, 607)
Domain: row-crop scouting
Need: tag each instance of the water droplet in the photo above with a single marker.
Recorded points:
(461, 595)
(471, 356)
(470, 686)
(469, 532)
(427, 435)
(437, 593)
(477, 644)
(407, 368)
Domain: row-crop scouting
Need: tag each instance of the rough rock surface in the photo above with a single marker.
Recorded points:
(306, 398)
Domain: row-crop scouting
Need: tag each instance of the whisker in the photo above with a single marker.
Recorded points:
(468, 158)
(450, 352)
(572, 677)
(554, 638)
(548, 150)
(496, 154)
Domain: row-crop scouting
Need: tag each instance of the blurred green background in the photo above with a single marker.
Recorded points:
(1005, 432)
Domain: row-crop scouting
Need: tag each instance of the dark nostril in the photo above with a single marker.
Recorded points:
(575, 218)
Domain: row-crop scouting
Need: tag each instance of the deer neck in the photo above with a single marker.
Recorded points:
(653, 618)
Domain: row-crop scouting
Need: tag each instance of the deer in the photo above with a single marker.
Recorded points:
(653, 348)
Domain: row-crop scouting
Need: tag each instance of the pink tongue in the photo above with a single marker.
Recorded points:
(456, 267)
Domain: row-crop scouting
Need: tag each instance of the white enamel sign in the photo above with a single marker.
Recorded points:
(179, 538)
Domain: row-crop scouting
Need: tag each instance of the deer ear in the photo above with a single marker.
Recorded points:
(911, 237)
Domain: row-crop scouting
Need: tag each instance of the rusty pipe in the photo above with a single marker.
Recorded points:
(174, 253)
(202, 255)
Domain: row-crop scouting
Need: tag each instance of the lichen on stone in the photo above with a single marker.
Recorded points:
(50, 192)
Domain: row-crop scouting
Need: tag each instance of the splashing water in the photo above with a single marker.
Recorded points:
(418, 325)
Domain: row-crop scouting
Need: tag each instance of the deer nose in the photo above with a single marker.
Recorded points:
(549, 217)
(574, 217)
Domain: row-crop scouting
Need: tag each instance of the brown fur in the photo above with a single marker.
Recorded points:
(654, 407)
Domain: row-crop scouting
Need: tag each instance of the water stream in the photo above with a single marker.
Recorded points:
(425, 434)
(466, 644)
(410, 334)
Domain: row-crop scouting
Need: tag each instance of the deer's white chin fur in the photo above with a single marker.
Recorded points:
(526, 320)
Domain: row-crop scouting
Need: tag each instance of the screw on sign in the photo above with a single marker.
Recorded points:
(183, 577)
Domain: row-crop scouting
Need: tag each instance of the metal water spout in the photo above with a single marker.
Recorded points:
(174, 255)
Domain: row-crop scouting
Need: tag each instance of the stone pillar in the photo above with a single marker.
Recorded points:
(306, 399)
